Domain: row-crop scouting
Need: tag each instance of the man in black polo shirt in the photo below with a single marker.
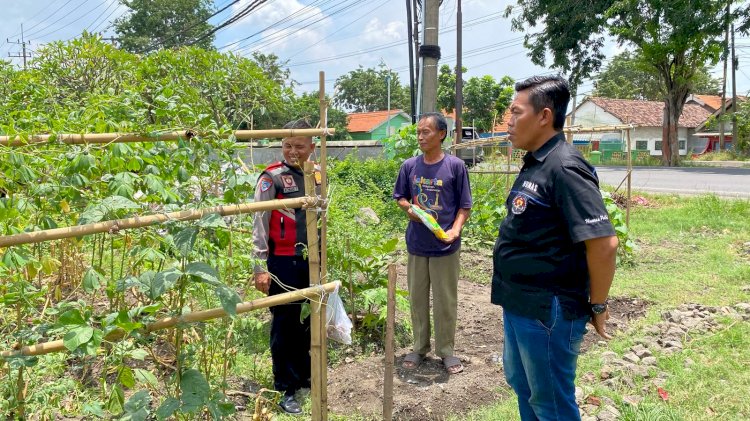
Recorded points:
(554, 258)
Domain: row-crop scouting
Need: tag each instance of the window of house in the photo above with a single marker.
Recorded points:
(657, 145)
(682, 144)
(641, 145)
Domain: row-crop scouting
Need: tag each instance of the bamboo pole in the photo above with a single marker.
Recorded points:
(389, 327)
(630, 171)
(316, 342)
(313, 293)
(170, 136)
(323, 241)
(143, 221)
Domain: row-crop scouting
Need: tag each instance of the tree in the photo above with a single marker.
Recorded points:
(673, 38)
(446, 93)
(484, 98)
(628, 76)
(365, 90)
(155, 24)
(273, 68)
(307, 106)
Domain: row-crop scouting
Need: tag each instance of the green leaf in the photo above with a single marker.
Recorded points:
(162, 282)
(77, 337)
(145, 377)
(116, 400)
(204, 272)
(185, 239)
(90, 347)
(137, 406)
(94, 408)
(304, 311)
(195, 391)
(72, 317)
(138, 354)
(167, 408)
(229, 299)
(212, 220)
(126, 377)
(92, 280)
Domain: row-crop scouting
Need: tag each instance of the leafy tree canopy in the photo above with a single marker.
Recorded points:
(155, 24)
(484, 97)
(628, 76)
(365, 90)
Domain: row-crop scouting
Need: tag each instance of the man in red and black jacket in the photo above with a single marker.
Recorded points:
(280, 239)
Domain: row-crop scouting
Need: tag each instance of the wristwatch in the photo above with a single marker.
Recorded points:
(599, 308)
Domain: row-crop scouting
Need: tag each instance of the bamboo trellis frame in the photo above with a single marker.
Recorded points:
(171, 136)
(314, 293)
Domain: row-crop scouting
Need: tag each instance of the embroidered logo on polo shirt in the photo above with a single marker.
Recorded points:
(518, 205)
(530, 186)
(289, 184)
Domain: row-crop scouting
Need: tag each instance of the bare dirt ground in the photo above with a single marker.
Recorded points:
(429, 393)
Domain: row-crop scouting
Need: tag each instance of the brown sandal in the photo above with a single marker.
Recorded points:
(412, 360)
(452, 365)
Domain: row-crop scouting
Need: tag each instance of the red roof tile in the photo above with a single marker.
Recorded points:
(713, 101)
(649, 113)
(367, 122)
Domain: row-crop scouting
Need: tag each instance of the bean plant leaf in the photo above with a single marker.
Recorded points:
(184, 240)
(116, 402)
(145, 377)
(103, 209)
(195, 391)
(77, 337)
(204, 272)
(227, 296)
(136, 408)
(212, 220)
(162, 282)
(72, 317)
(92, 280)
(126, 377)
(167, 408)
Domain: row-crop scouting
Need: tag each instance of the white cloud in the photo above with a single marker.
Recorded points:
(376, 32)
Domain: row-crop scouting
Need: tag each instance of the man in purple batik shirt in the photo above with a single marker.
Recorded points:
(439, 184)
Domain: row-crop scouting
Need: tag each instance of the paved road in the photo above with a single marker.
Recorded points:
(724, 182)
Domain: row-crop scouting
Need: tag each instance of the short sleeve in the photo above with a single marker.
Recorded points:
(401, 189)
(577, 195)
(464, 187)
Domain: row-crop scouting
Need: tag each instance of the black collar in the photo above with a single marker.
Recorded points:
(541, 154)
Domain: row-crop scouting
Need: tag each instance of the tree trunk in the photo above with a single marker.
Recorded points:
(673, 105)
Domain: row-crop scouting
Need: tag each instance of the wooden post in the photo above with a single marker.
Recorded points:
(144, 221)
(323, 243)
(389, 327)
(316, 307)
(312, 293)
(630, 171)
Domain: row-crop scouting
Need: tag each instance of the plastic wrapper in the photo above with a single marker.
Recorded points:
(429, 222)
(338, 325)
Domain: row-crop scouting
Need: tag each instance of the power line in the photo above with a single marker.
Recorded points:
(113, 3)
(94, 29)
(42, 21)
(63, 17)
(71, 22)
(234, 19)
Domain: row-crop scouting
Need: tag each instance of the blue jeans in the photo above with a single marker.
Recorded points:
(539, 359)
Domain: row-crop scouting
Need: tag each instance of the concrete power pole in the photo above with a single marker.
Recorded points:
(22, 43)
(735, 65)
(458, 133)
(430, 53)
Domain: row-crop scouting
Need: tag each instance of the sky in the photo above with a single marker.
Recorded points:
(335, 36)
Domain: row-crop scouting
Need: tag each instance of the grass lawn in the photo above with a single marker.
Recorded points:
(691, 250)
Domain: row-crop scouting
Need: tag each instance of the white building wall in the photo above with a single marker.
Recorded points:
(653, 137)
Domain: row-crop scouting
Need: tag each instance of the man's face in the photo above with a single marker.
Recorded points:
(429, 137)
(524, 127)
(297, 150)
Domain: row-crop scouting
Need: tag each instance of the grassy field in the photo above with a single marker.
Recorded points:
(691, 250)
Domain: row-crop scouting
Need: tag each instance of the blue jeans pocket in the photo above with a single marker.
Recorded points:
(577, 331)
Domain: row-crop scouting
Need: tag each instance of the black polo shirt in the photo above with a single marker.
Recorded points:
(555, 205)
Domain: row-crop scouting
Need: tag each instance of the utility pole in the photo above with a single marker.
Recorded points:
(458, 133)
(735, 65)
(430, 53)
(417, 74)
(724, 83)
(22, 43)
(412, 94)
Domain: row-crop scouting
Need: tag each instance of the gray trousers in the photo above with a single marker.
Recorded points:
(441, 273)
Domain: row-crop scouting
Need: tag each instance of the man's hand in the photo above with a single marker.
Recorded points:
(453, 235)
(599, 322)
(410, 213)
(262, 281)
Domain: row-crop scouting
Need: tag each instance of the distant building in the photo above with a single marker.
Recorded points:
(376, 125)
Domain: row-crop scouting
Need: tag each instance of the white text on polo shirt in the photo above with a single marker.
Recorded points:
(600, 218)
(529, 185)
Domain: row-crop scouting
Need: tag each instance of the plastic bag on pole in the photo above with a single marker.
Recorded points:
(338, 325)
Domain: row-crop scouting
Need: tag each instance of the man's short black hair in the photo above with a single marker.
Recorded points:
(551, 92)
(297, 124)
(438, 120)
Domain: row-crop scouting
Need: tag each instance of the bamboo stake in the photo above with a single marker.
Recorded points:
(389, 327)
(630, 171)
(170, 136)
(313, 293)
(323, 242)
(313, 258)
(143, 221)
